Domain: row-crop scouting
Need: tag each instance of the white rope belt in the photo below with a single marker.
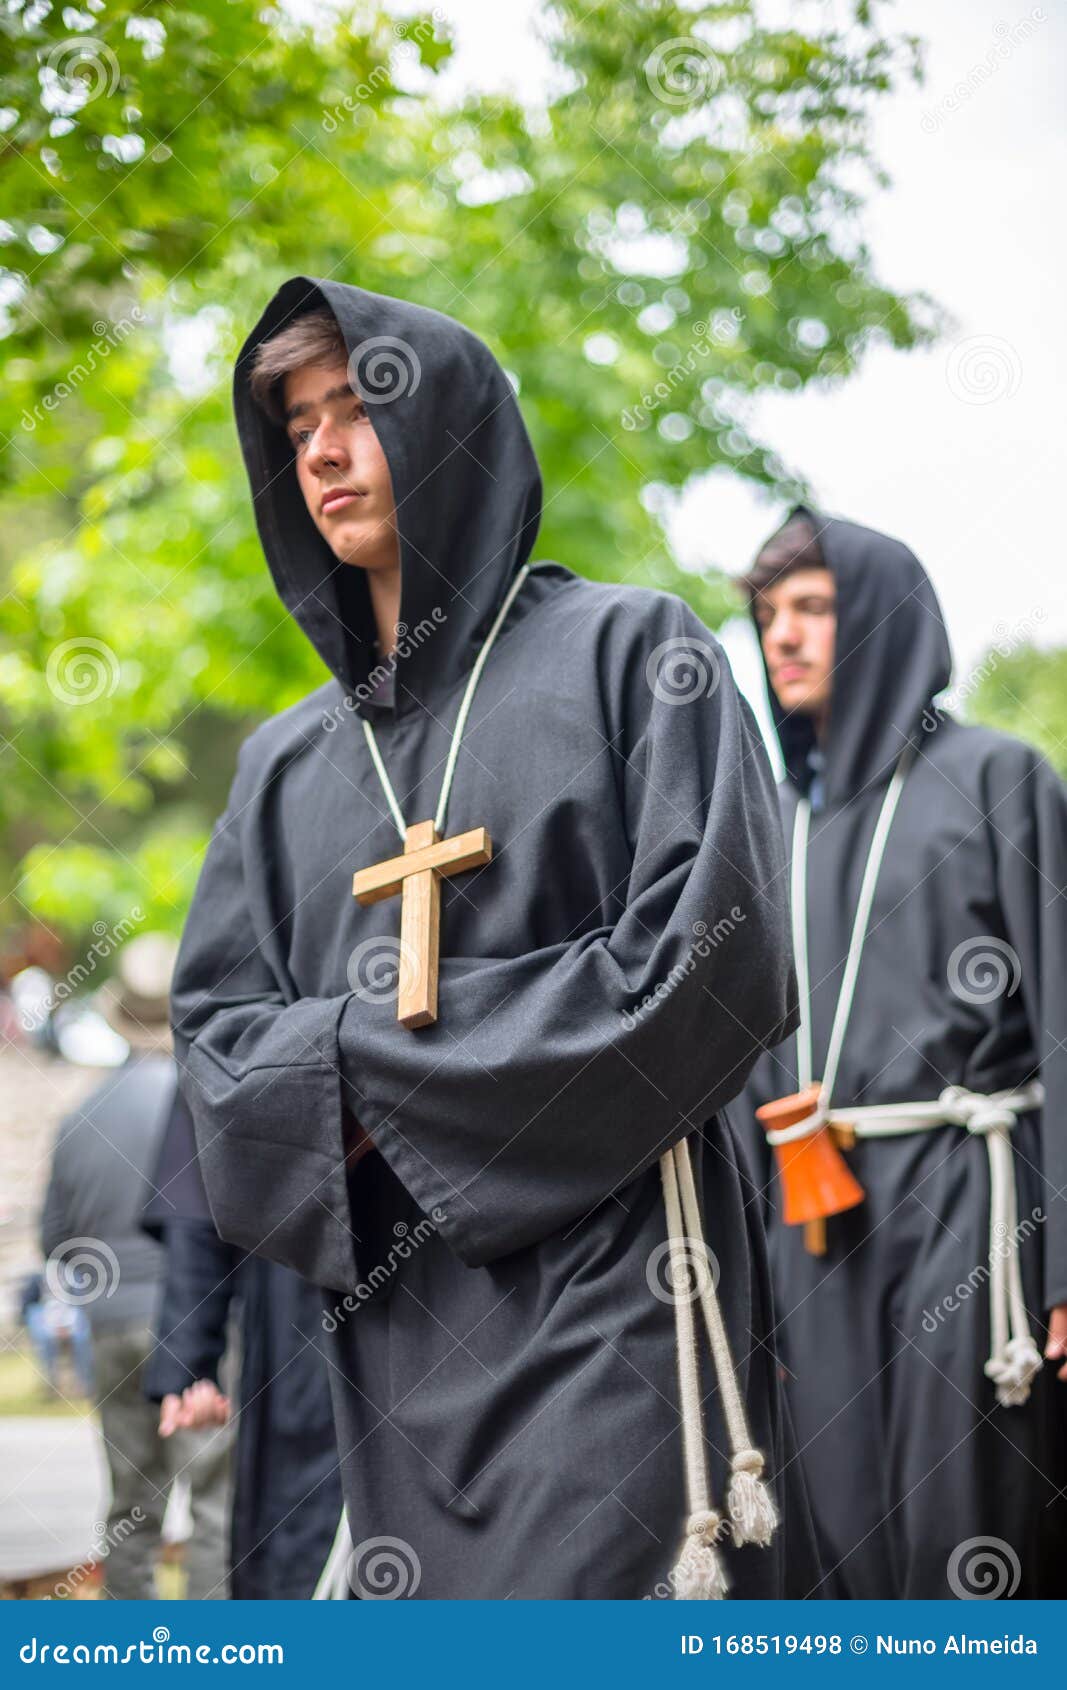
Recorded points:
(750, 1509)
(1014, 1358)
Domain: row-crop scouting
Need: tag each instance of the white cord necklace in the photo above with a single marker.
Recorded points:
(417, 874)
(799, 884)
(461, 719)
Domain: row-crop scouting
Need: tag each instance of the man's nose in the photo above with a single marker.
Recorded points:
(326, 449)
(784, 631)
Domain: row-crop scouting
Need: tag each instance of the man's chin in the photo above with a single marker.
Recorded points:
(370, 551)
(799, 700)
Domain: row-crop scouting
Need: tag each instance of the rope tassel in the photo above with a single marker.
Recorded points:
(1014, 1369)
(750, 1505)
(699, 1572)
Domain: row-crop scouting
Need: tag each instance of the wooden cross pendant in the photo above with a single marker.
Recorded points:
(417, 877)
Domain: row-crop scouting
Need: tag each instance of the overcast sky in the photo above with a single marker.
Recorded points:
(960, 450)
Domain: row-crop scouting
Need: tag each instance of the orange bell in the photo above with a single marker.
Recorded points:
(816, 1179)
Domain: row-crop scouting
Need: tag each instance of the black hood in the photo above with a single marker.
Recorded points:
(891, 659)
(465, 481)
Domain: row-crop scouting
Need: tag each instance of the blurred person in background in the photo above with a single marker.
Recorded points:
(286, 1481)
(55, 1326)
(100, 1260)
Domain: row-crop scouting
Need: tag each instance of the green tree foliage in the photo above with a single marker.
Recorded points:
(1023, 691)
(675, 228)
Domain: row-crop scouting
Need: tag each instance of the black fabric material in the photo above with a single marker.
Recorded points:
(906, 1453)
(175, 1189)
(504, 1378)
(202, 1280)
(286, 1485)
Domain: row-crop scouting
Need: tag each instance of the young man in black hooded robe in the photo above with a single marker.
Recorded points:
(932, 1435)
(478, 1186)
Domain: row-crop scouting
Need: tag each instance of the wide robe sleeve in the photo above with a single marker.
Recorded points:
(261, 1075)
(1027, 805)
(554, 1077)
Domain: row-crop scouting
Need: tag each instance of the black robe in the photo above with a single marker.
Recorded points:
(286, 1486)
(963, 981)
(504, 1375)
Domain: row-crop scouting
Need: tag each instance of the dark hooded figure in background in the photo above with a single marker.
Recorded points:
(929, 861)
(286, 1489)
(502, 1156)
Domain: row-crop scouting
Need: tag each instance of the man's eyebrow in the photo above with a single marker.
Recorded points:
(342, 392)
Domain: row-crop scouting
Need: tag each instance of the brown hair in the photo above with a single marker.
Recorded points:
(795, 546)
(314, 338)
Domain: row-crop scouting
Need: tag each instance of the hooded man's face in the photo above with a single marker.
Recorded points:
(797, 625)
(341, 468)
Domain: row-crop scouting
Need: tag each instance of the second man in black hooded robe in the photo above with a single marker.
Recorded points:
(922, 1483)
